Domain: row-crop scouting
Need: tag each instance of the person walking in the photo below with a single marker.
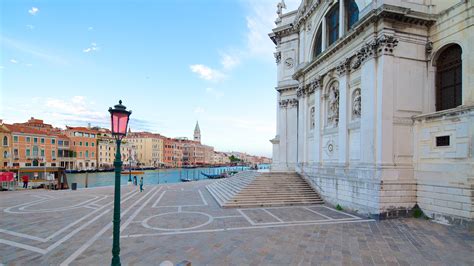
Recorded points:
(25, 181)
(135, 180)
(141, 184)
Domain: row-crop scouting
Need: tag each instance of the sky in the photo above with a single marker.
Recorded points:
(172, 62)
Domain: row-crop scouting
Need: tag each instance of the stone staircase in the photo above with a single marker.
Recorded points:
(252, 189)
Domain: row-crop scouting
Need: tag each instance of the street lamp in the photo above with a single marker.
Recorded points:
(119, 121)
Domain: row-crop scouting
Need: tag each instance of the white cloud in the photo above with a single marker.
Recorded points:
(90, 28)
(33, 11)
(207, 73)
(216, 93)
(13, 61)
(260, 21)
(30, 27)
(229, 60)
(92, 48)
(76, 109)
(29, 65)
(33, 50)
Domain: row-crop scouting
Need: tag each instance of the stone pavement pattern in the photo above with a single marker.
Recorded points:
(183, 222)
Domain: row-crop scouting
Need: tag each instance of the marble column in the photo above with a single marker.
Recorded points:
(317, 125)
(323, 35)
(343, 141)
(342, 18)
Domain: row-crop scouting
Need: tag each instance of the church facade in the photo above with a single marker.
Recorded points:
(375, 104)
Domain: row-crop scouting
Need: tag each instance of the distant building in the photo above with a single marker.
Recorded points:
(84, 142)
(197, 133)
(6, 157)
(30, 146)
(172, 153)
(148, 148)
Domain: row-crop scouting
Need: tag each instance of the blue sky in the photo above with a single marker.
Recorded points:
(172, 62)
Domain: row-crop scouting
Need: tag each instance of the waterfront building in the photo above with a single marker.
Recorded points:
(208, 154)
(375, 104)
(107, 147)
(6, 159)
(66, 157)
(220, 158)
(84, 141)
(172, 153)
(32, 147)
(148, 148)
(193, 154)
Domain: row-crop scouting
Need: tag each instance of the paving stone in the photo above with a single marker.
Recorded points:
(217, 236)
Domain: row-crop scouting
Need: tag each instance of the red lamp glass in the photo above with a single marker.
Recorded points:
(119, 120)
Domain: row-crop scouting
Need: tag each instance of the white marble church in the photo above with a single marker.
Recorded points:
(376, 104)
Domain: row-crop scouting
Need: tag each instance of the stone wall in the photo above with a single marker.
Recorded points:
(361, 190)
(444, 170)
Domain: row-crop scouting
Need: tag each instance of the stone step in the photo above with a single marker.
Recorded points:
(268, 189)
(269, 204)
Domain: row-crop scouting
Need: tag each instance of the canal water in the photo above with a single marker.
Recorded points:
(161, 176)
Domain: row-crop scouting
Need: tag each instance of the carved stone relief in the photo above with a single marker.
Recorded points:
(356, 104)
(277, 56)
(312, 121)
(288, 103)
(310, 87)
(333, 104)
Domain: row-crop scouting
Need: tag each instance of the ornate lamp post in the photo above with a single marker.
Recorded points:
(119, 120)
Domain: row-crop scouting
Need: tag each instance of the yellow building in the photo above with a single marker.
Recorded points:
(106, 148)
(148, 148)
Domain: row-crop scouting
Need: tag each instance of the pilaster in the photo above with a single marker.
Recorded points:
(343, 69)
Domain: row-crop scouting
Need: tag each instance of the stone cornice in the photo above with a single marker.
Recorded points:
(310, 87)
(280, 32)
(384, 12)
(286, 88)
(445, 113)
(305, 13)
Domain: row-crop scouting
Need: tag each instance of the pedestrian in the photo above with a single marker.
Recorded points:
(135, 180)
(25, 181)
(141, 184)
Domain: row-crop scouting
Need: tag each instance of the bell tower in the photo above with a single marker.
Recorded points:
(197, 133)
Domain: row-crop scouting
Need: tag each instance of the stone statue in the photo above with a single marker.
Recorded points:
(333, 104)
(356, 104)
(280, 6)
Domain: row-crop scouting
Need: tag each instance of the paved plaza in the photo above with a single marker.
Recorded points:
(183, 222)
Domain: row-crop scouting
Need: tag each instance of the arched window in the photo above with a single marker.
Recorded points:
(5, 141)
(332, 24)
(352, 11)
(449, 78)
(5, 154)
(318, 48)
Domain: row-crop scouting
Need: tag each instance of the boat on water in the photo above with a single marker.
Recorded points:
(133, 172)
(186, 180)
(215, 176)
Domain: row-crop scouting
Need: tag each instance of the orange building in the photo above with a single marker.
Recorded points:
(84, 145)
(33, 147)
(172, 153)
